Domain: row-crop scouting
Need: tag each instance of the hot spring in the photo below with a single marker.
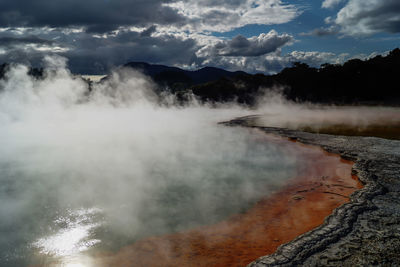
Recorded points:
(83, 172)
(90, 177)
(60, 204)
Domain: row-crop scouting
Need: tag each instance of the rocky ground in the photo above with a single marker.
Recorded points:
(362, 232)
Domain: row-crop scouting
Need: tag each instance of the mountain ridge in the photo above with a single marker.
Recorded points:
(159, 73)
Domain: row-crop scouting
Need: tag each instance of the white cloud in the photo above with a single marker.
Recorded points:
(275, 62)
(105, 16)
(241, 46)
(313, 58)
(221, 16)
(330, 3)
(365, 17)
(363, 56)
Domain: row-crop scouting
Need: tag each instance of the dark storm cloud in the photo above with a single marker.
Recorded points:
(321, 32)
(96, 35)
(101, 54)
(96, 16)
(27, 56)
(11, 41)
(27, 49)
(89, 54)
(254, 46)
(149, 31)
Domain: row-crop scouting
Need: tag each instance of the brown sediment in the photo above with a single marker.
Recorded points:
(324, 182)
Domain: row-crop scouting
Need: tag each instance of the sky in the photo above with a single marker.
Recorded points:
(250, 35)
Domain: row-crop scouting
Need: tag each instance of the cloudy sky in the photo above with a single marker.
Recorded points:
(251, 35)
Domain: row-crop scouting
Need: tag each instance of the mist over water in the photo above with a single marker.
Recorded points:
(91, 170)
(373, 121)
(82, 170)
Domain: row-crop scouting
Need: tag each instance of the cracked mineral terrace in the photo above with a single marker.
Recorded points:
(366, 230)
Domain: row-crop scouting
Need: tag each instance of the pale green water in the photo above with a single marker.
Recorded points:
(63, 212)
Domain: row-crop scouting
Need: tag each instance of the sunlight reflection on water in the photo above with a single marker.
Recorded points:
(75, 261)
(74, 235)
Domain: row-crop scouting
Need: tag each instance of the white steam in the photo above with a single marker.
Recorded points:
(138, 164)
(276, 111)
(146, 167)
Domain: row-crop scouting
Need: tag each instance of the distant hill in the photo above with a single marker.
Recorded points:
(173, 76)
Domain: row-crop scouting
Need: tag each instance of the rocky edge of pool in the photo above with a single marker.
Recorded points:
(364, 231)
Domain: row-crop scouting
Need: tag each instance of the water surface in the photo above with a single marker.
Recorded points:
(56, 208)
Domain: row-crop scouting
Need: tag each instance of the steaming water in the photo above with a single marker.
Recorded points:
(65, 211)
(376, 121)
(93, 171)
(82, 173)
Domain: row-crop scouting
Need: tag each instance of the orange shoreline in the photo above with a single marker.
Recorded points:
(324, 182)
